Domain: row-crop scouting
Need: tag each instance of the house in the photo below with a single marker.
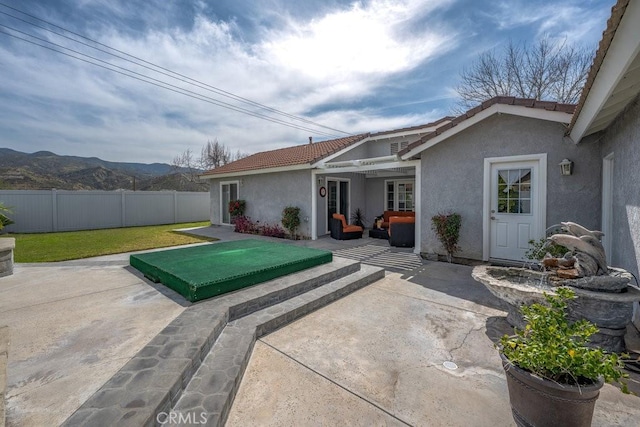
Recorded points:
(497, 165)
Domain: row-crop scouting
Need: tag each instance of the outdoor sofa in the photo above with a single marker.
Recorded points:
(402, 230)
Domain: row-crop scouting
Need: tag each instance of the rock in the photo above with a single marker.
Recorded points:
(569, 273)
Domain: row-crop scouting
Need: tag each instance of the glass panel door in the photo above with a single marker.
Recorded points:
(337, 199)
(228, 192)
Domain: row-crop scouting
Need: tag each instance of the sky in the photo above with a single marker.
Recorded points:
(350, 66)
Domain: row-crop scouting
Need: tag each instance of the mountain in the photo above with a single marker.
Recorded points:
(45, 170)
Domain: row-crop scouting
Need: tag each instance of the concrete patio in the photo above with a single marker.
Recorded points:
(374, 357)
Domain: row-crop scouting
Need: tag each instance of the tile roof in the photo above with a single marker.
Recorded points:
(290, 156)
(505, 100)
(413, 128)
(617, 12)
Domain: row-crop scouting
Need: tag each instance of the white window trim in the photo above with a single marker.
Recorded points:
(237, 182)
(395, 191)
(607, 204)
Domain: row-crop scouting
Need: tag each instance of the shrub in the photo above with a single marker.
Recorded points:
(291, 219)
(4, 219)
(447, 228)
(539, 248)
(551, 348)
(243, 224)
(237, 207)
(272, 231)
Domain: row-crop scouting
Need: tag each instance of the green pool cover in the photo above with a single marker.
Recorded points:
(202, 272)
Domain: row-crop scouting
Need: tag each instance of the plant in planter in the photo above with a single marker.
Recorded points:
(237, 208)
(291, 219)
(553, 377)
(358, 218)
(447, 228)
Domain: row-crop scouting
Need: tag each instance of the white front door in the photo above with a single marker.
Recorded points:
(514, 204)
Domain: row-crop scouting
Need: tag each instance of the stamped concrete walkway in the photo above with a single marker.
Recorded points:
(377, 357)
(373, 358)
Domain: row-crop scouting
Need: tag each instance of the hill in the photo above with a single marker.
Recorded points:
(44, 170)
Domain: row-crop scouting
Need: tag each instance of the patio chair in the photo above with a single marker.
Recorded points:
(340, 230)
(402, 231)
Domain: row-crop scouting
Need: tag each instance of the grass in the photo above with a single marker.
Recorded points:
(50, 247)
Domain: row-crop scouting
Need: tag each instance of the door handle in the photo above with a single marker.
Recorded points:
(493, 217)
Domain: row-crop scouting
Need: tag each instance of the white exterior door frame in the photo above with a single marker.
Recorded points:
(326, 205)
(607, 205)
(539, 203)
(223, 203)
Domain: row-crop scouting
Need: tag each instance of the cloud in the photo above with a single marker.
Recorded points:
(345, 54)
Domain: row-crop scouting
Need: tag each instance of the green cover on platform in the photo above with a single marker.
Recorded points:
(205, 271)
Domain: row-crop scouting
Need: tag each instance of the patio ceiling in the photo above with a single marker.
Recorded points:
(371, 167)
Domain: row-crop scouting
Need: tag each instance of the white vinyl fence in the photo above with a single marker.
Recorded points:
(44, 211)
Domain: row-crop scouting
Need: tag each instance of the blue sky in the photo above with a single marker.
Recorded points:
(352, 66)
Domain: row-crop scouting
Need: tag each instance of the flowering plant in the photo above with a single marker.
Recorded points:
(553, 348)
(237, 207)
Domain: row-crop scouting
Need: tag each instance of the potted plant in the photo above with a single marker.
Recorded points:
(358, 218)
(553, 376)
(236, 209)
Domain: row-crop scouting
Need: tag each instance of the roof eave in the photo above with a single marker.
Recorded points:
(517, 110)
(623, 49)
(254, 172)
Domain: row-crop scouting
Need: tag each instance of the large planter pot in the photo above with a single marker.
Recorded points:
(538, 402)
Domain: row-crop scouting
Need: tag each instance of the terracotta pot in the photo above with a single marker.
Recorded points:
(538, 402)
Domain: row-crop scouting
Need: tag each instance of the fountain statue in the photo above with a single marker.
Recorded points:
(604, 295)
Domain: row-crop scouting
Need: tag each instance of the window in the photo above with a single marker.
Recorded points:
(398, 146)
(514, 191)
(399, 195)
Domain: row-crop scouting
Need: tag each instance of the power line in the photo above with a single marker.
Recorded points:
(165, 72)
(155, 82)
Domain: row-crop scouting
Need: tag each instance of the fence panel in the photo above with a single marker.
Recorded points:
(149, 207)
(37, 211)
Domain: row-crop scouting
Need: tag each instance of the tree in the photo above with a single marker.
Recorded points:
(543, 71)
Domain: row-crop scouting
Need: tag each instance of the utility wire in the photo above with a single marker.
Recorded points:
(164, 71)
(155, 82)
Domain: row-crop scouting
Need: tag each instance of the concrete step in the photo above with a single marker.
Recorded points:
(154, 379)
(211, 391)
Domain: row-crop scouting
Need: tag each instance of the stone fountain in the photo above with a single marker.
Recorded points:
(604, 295)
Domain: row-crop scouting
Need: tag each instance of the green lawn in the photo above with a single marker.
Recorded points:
(48, 247)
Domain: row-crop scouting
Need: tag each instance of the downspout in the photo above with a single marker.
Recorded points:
(418, 207)
(314, 204)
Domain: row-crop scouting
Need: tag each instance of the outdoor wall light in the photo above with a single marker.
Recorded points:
(241, 182)
(320, 180)
(566, 167)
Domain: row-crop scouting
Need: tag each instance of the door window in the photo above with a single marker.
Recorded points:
(514, 191)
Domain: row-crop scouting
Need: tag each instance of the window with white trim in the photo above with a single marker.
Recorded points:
(399, 195)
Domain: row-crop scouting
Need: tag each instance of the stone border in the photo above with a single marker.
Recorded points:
(7, 245)
(154, 379)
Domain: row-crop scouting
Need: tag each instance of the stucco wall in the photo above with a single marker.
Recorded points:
(268, 194)
(452, 176)
(622, 139)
